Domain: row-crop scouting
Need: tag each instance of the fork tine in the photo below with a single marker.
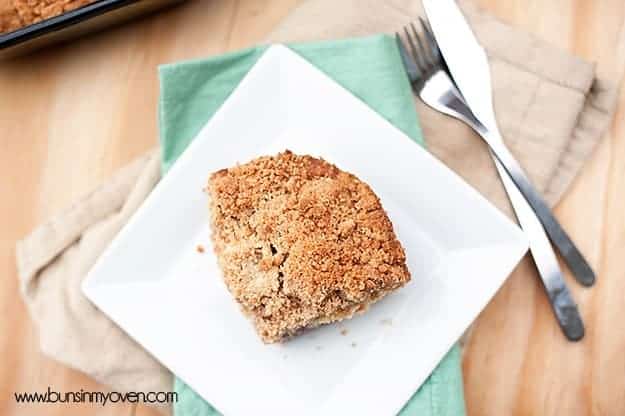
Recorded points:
(431, 40)
(413, 70)
(415, 54)
(422, 52)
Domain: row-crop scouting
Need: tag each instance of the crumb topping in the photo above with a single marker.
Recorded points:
(15, 14)
(301, 243)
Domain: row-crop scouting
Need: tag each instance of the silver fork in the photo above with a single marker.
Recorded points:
(476, 82)
(431, 82)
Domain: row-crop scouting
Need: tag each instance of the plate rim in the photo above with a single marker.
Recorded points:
(88, 283)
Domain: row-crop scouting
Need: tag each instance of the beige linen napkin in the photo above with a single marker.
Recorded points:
(551, 108)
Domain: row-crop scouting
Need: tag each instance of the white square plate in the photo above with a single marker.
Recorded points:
(154, 284)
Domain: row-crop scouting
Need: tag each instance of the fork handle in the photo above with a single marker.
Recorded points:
(560, 298)
(571, 254)
(564, 308)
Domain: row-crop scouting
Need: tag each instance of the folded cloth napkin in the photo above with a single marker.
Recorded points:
(551, 107)
(371, 69)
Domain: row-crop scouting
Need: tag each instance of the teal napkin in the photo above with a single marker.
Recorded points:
(371, 69)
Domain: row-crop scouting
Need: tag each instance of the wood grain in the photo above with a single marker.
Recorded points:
(71, 116)
(517, 362)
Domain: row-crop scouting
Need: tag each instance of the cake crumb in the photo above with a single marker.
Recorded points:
(387, 322)
(344, 331)
(200, 248)
(15, 14)
(300, 243)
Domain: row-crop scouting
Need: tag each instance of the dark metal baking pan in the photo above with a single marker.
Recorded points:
(74, 23)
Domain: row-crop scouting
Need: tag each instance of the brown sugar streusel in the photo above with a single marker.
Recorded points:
(301, 243)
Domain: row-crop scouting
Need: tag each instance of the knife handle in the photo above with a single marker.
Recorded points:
(570, 253)
(451, 102)
(560, 298)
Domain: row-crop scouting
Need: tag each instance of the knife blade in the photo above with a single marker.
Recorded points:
(468, 64)
(465, 57)
(560, 298)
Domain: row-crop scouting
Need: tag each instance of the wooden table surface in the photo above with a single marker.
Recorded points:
(71, 116)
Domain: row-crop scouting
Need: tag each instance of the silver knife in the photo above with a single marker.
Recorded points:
(468, 64)
(453, 104)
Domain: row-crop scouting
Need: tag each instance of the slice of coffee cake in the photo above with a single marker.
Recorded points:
(301, 243)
